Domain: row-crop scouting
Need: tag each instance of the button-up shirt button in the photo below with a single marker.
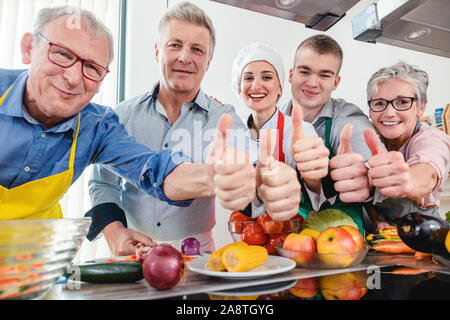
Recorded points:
(166, 145)
(159, 224)
(26, 169)
(43, 134)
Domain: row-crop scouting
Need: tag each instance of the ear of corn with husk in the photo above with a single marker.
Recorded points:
(243, 258)
(215, 259)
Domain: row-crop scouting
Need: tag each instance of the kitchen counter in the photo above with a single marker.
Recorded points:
(194, 283)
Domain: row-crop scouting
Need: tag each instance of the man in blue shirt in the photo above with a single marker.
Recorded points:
(51, 131)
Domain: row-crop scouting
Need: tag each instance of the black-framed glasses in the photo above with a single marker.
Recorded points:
(399, 104)
(65, 58)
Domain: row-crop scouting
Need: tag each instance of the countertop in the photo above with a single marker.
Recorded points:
(194, 283)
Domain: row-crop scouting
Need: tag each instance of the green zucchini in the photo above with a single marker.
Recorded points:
(108, 272)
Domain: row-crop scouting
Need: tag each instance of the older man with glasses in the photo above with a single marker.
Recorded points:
(50, 131)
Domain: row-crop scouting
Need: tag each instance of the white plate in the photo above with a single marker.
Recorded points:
(257, 290)
(273, 265)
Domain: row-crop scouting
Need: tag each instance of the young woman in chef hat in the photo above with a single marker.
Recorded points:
(258, 79)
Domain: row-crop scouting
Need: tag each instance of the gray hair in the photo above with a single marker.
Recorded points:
(94, 26)
(188, 12)
(416, 77)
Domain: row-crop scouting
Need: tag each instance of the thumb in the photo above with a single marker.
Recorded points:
(345, 138)
(372, 142)
(218, 143)
(265, 148)
(297, 119)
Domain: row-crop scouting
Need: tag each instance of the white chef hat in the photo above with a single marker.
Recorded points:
(255, 52)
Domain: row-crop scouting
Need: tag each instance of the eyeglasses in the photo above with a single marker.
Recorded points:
(65, 58)
(399, 104)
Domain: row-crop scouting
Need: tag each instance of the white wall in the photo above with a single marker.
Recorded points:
(237, 27)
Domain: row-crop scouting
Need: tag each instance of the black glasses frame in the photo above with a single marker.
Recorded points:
(83, 61)
(392, 103)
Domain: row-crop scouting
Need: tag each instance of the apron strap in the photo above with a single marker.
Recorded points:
(4, 95)
(279, 154)
(74, 145)
(327, 142)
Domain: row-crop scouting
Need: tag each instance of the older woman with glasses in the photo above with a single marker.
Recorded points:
(409, 176)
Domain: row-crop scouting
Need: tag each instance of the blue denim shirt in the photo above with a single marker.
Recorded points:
(29, 151)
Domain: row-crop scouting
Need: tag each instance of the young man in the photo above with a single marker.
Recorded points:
(314, 76)
(175, 114)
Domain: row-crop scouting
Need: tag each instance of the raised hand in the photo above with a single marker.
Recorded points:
(349, 171)
(230, 170)
(388, 170)
(309, 153)
(277, 184)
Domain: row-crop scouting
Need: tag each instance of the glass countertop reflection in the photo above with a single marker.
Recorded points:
(385, 283)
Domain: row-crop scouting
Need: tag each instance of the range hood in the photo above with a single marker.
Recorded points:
(421, 25)
(315, 14)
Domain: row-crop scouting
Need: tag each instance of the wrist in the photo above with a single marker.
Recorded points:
(113, 227)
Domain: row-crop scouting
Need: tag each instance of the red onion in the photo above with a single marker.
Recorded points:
(190, 247)
(163, 267)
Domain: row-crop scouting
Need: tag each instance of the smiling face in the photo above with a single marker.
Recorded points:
(53, 93)
(260, 87)
(396, 127)
(184, 56)
(313, 78)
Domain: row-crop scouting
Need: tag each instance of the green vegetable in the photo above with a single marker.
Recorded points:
(447, 216)
(109, 272)
(327, 218)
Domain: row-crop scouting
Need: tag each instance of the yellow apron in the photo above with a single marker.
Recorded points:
(38, 199)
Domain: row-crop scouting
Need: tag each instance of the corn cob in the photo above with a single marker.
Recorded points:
(215, 259)
(244, 258)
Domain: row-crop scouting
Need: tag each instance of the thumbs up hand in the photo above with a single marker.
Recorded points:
(309, 153)
(349, 171)
(230, 170)
(388, 170)
(277, 184)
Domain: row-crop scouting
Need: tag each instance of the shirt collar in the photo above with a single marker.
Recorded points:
(13, 105)
(271, 123)
(200, 100)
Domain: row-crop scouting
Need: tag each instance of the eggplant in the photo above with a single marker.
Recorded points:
(423, 233)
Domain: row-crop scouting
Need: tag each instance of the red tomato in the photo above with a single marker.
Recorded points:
(253, 234)
(272, 240)
(268, 224)
(237, 226)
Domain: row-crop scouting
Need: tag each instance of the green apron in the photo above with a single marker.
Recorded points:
(354, 210)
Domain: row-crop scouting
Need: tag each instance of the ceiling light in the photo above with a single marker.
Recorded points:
(418, 34)
(286, 4)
